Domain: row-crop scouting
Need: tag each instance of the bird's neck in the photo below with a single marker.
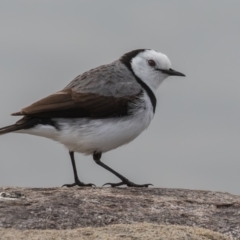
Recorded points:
(149, 90)
(151, 79)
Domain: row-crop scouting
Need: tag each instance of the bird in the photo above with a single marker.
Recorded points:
(101, 109)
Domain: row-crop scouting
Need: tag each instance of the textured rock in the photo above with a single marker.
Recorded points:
(62, 208)
(140, 231)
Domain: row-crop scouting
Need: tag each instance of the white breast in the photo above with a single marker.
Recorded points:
(89, 135)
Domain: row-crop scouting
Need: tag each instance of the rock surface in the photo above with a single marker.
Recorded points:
(140, 231)
(65, 209)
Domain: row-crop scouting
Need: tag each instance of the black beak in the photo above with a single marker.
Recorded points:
(172, 72)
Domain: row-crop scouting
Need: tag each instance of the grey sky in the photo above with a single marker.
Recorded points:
(193, 141)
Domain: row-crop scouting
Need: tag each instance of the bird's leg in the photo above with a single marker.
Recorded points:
(77, 181)
(125, 181)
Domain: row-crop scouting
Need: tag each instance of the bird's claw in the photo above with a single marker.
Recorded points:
(128, 183)
(80, 184)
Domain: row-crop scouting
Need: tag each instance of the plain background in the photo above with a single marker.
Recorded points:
(193, 141)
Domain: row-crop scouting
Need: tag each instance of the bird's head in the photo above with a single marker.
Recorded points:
(150, 66)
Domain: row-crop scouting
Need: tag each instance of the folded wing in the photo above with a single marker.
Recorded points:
(69, 103)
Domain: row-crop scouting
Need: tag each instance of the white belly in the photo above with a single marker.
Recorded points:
(102, 135)
(89, 135)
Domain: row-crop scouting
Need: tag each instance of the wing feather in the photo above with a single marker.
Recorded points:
(103, 92)
(69, 103)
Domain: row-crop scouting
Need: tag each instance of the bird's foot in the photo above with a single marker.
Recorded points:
(80, 184)
(128, 183)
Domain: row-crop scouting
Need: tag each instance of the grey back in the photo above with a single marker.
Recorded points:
(113, 79)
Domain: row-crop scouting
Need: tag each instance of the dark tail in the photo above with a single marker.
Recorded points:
(10, 128)
(20, 124)
(28, 122)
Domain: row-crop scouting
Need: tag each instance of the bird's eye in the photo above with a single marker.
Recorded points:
(151, 63)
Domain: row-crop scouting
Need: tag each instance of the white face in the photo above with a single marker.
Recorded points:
(147, 65)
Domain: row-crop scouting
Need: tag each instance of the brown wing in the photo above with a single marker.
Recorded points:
(68, 103)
